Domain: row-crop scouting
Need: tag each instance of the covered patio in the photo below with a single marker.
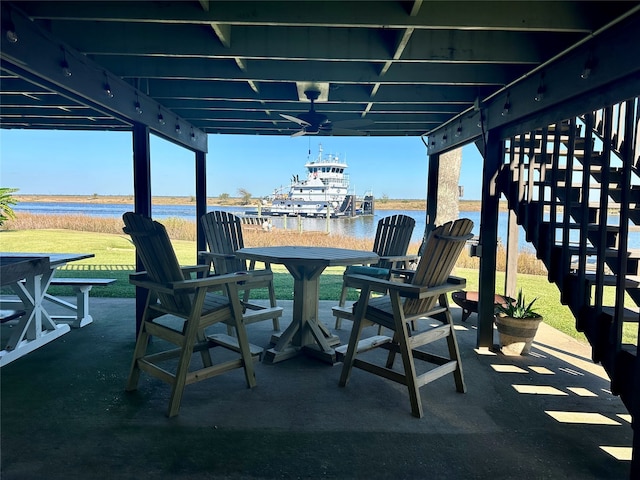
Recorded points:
(536, 86)
(65, 415)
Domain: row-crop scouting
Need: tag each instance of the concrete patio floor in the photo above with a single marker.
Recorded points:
(64, 414)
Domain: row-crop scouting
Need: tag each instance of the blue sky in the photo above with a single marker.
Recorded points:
(87, 163)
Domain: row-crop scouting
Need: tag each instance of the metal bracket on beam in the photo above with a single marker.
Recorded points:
(584, 72)
(41, 59)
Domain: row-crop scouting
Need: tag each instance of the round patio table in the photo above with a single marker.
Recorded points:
(305, 264)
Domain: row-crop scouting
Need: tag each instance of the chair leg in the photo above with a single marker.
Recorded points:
(454, 354)
(272, 302)
(458, 375)
(350, 356)
(391, 357)
(356, 331)
(177, 388)
(452, 343)
(409, 367)
(206, 353)
(191, 334)
(140, 350)
(245, 353)
(343, 299)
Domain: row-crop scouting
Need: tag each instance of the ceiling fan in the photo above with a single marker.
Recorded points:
(313, 123)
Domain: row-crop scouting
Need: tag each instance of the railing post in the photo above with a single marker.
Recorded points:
(488, 238)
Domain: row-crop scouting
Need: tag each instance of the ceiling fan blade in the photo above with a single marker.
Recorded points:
(295, 120)
(299, 133)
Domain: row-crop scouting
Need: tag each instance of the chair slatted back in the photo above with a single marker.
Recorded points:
(223, 232)
(441, 251)
(393, 235)
(158, 257)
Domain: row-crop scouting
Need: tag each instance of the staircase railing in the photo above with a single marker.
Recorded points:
(575, 189)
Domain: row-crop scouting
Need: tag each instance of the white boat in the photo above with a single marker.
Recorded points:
(324, 191)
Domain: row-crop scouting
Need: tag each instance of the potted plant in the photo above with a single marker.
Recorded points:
(517, 324)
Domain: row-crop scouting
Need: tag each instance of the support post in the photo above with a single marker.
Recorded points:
(488, 239)
(201, 198)
(432, 193)
(141, 198)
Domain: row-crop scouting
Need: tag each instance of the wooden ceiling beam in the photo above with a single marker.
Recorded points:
(38, 57)
(523, 15)
(567, 91)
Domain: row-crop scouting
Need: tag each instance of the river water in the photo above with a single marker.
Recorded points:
(359, 227)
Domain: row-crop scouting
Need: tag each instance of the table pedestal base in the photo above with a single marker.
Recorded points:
(321, 349)
(305, 333)
(305, 264)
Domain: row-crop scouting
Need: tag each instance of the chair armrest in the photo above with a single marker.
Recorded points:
(189, 269)
(141, 279)
(211, 281)
(404, 289)
(405, 274)
(376, 284)
(457, 280)
(400, 258)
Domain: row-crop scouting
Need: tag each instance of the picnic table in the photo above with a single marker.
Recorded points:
(29, 276)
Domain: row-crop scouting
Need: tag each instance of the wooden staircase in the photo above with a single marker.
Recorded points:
(566, 184)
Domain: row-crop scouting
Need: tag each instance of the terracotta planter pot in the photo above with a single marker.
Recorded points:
(517, 334)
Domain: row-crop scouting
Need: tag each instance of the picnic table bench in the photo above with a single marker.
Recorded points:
(81, 287)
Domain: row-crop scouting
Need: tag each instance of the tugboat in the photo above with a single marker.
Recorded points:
(324, 191)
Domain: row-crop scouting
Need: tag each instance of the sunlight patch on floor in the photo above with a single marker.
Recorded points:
(624, 416)
(542, 370)
(571, 371)
(584, 364)
(536, 354)
(619, 453)
(583, 392)
(508, 369)
(588, 418)
(484, 351)
(538, 390)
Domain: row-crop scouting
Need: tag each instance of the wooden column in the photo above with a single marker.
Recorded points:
(432, 193)
(488, 239)
(141, 197)
(141, 170)
(201, 198)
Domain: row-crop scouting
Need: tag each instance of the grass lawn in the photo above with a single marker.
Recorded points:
(115, 258)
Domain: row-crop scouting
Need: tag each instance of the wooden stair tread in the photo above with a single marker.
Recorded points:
(592, 227)
(608, 252)
(631, 281)
(630, 314)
